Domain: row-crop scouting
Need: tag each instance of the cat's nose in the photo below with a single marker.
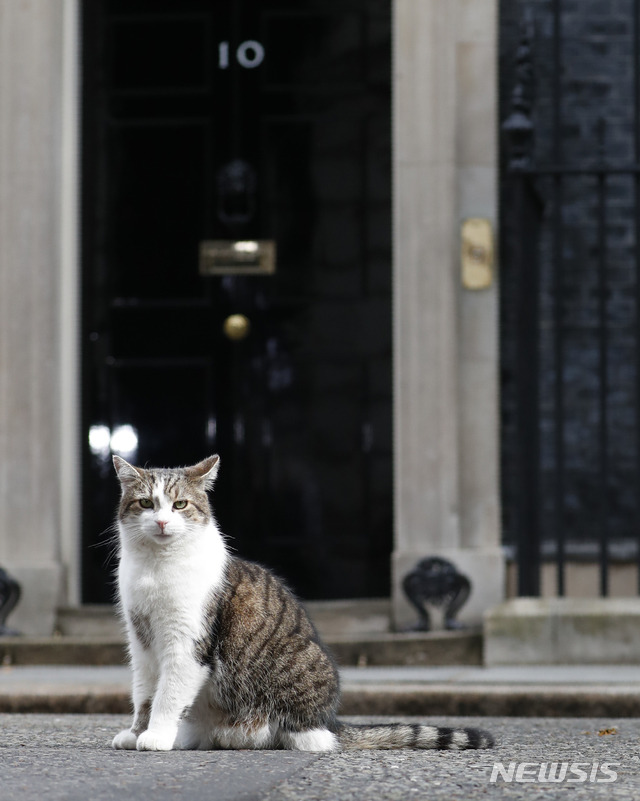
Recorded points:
(162, 524)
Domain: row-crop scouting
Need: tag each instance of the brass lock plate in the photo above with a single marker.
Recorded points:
(237, 257)
(477, 257)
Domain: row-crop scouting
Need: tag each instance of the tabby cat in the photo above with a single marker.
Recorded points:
(223, 655)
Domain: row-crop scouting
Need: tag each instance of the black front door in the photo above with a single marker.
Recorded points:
(259, 124)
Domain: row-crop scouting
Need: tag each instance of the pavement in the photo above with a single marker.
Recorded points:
(539, 691)
(69, 758)
(556, 726)
(570, 727)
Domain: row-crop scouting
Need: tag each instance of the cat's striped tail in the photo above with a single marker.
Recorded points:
(411, 735)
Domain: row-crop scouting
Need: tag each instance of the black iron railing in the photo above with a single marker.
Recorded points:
(570, 309)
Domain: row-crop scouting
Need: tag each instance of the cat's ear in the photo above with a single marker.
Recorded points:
(125, 471)
(205, 471)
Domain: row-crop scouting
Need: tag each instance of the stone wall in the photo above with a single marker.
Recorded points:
(35, 439)
(445, 337)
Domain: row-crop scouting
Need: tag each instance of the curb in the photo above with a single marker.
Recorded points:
(487, 701)
(468, 700)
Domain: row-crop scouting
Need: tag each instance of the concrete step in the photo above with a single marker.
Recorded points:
(435, 648)
(358, 631)
(609, 691)
(62, 650)
(332, 618)
(563, 631)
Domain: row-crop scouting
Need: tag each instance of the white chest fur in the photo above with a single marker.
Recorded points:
(169, 584)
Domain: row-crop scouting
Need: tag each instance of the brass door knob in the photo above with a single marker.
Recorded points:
(236, 327)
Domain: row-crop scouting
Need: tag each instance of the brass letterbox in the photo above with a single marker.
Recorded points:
(238, 257)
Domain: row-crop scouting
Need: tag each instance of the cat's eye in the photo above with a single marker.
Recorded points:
(180, 504)
(146, 503)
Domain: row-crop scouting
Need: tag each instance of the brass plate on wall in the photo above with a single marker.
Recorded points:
(237, 257)
(477, 253)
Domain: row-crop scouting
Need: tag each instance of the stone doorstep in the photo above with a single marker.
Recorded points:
(341, 618)
(333, 618)
(357, 631)
(91, 620)
(433, 649)
(62, 650)
(563, 631)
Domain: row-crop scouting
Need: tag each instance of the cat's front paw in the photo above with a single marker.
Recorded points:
(156, 740)
(126, 740)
